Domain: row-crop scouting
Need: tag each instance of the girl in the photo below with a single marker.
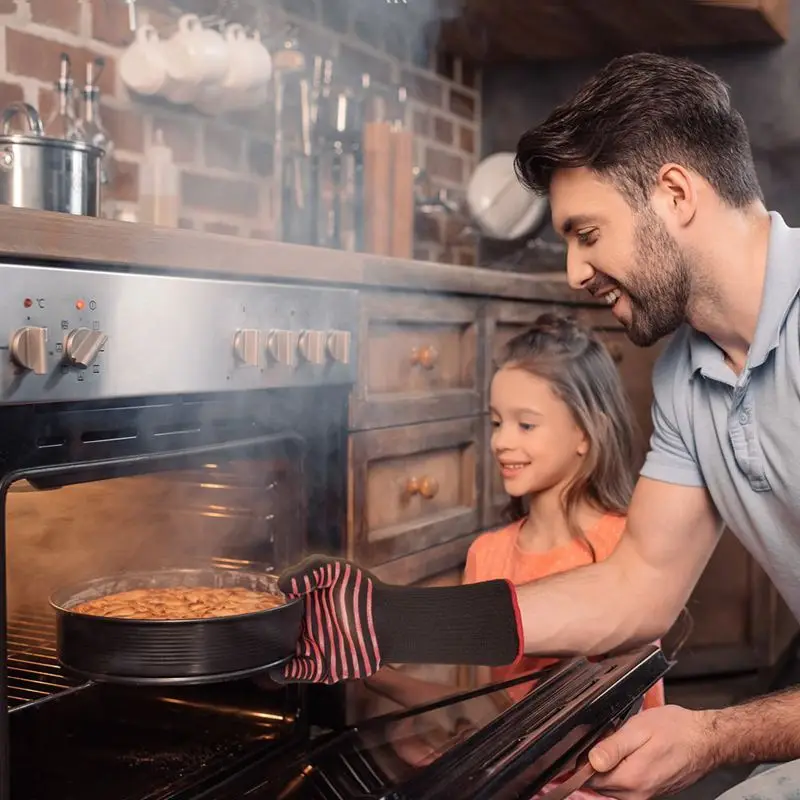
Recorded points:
(563, 443)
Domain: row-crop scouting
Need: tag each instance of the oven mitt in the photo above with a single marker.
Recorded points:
(354, 622)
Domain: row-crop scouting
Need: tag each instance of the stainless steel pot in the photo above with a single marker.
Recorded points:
(40, 172)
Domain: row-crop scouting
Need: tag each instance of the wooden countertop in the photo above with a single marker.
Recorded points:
(83, 241)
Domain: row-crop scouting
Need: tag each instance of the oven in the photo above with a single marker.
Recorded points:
(151, 421)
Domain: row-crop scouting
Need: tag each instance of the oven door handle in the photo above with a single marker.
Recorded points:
(586, 771)
(572, 784)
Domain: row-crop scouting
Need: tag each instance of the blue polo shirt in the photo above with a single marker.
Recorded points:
(739, 436)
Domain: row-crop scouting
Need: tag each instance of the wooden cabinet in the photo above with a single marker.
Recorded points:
(418, 359)
(507, 30)
(413, 487)
(740, 622)
(416, 444)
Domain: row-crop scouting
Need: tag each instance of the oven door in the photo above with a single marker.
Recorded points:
(475, 745)
(99, 491)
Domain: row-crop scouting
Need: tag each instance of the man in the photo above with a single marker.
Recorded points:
(652, 185)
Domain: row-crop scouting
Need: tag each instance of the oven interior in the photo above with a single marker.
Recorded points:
(97, 490)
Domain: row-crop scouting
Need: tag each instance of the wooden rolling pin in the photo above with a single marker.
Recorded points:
(377, 188)
(402, 193)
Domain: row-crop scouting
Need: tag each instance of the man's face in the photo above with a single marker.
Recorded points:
(624, 255)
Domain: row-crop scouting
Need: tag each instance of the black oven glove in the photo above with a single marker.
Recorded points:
(354, 622)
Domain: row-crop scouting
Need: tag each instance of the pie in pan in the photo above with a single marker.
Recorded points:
(179, 603)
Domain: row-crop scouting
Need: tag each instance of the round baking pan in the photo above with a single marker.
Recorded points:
(182, 651)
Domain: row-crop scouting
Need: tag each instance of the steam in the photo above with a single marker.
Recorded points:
(75, 533)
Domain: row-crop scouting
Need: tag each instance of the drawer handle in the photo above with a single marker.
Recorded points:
(424, 487)
(426, 356)
(616, 352)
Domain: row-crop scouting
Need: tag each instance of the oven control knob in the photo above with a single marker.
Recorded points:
(245, 347)
(339, 346)
(282, 347)
(312, 346)
(29, 349)
(82, 345)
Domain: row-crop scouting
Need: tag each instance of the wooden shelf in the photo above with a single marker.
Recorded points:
(515, 30)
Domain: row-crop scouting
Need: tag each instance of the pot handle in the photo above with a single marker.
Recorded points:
(31, 114)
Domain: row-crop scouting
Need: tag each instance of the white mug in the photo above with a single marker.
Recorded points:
(215, 55)
(240, 75)
(261, 60)
(195, 56)
(143, 66)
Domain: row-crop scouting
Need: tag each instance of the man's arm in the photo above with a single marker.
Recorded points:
(636, 594)
(666, 749)
(353, 622)
(761, 730)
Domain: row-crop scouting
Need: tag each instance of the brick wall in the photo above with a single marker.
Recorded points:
(226, 162)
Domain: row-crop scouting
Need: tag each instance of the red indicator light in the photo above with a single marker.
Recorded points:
(27, 302)
(79, 304)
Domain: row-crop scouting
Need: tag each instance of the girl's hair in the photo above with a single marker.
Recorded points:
(582, 373)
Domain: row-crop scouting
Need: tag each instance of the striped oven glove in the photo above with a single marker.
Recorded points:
(354, 622)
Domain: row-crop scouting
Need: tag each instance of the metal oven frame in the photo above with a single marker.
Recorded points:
(109, 371)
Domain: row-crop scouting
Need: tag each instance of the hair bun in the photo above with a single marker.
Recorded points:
(561, 326)
(553, 333)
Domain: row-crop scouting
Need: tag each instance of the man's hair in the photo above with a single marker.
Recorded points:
(638, 113)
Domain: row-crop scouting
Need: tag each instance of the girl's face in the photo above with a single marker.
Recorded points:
(535, 441)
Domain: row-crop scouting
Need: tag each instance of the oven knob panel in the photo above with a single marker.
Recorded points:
(29, 349)
(339, 346)
(282, 346)
(245, 347)
(313, 346)
(82, 345)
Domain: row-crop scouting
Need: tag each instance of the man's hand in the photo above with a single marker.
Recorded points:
(354, 622)
(657, 752)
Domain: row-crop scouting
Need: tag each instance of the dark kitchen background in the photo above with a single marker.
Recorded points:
(763, 81)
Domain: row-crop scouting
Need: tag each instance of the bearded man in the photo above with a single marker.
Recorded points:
(652, 185)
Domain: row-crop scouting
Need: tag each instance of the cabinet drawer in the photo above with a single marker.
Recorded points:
(413, 487)
(418, 360)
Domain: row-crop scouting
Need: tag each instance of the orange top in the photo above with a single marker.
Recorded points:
(497, 555)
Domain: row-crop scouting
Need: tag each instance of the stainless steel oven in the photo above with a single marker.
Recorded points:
(149, 420)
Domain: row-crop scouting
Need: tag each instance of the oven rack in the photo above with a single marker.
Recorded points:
(34, 673)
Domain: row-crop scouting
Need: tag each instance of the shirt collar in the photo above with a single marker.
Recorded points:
(781, 285)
